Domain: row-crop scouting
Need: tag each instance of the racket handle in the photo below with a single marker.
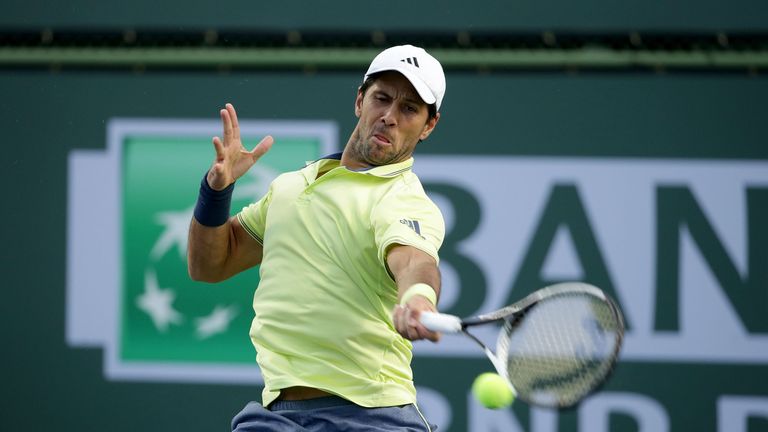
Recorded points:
(441, 322)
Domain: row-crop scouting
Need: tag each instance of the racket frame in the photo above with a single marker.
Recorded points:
(452, 324)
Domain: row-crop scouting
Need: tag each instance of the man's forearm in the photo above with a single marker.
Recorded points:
(420, 272)
(207, 251)
(411, 266)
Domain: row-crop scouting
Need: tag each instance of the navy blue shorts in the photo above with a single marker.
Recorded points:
(328, 414)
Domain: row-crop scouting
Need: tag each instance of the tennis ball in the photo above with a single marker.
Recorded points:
(492, 391)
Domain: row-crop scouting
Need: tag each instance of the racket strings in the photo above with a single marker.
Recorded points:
(561, 348)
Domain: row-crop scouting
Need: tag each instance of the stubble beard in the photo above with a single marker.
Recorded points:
(365, 152)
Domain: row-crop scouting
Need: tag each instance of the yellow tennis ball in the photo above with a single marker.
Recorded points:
(492, 391)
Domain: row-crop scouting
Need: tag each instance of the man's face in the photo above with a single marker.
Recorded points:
(392, 120)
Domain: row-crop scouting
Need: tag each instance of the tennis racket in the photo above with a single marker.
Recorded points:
(555, 346)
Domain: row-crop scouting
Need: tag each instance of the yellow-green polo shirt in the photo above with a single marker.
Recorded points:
(324, 302)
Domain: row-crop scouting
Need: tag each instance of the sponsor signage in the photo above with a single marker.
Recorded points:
(681, 245)
(129, 213)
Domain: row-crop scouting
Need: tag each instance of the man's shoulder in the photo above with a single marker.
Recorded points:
(407, 187)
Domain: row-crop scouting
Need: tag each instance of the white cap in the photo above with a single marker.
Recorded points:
(423, 71)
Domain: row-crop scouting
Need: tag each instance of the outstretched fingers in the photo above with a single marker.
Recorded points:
(219, 147)
(230, 125)
(234, 124)
(226, 125)
(262, 147)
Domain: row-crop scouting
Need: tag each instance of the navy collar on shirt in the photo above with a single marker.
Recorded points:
(336, 156)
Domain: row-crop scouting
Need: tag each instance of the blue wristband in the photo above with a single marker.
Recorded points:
(212, 207)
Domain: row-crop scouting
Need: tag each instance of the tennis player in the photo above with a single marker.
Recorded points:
(348, 248)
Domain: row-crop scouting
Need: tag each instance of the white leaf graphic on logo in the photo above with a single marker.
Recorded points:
(157, 303)
(217, 322)
(176, 231)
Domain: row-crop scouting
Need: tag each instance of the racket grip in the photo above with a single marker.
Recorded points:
(441, 322)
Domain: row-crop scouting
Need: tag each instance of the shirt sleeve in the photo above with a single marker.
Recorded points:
(254, 217)
(408, 217)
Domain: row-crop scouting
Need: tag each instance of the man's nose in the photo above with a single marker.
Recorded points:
(389, 117)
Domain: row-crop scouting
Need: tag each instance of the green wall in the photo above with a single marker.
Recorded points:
(448, 15)
(49, 385)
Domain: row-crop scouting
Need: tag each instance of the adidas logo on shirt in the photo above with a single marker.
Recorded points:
(412, 224)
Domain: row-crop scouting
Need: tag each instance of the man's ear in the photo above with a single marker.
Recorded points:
(429, 127)
(358, 103)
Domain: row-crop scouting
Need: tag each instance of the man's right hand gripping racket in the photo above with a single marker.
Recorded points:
(555, 346)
